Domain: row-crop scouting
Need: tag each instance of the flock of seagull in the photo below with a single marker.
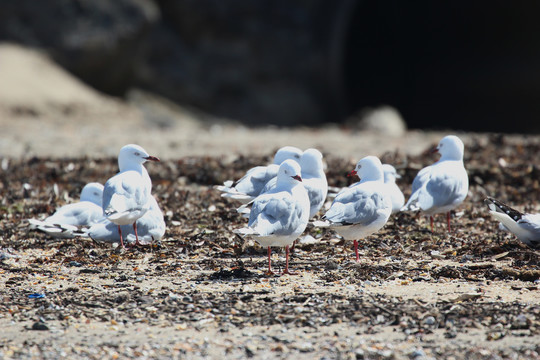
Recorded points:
(280, 199)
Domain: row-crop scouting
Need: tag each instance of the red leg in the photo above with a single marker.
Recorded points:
(269, 272)
(286, 271)
(121, 240)
(293, 244)
(431, 222)
(356, 250)
(136, 236)
(448, 220)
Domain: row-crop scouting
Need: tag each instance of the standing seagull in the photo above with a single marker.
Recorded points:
(66, 219)
(363, 208)
(525, 226)
(390, 176)
(252, 183)
(126, 195)
(280, 215)
(442, 186)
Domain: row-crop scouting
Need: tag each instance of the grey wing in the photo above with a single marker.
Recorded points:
(531, 222)
(317, 190)
(125, 192)
(273, 214)
(421, 178)
(444, 188)
(255, 180)
(269, 185)
(355, 207)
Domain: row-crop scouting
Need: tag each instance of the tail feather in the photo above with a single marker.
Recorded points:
(54, 229)
(499, 207)
(245, 231)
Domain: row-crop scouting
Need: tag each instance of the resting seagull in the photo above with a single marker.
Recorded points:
(363, 208)
(126, 195)
(313, 179)
(443, 186)
(280, 215)
(150, 227)
(66, 219)
(252, 183)
(525, 226)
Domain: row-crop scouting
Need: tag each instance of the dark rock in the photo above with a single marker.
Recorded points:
(97, 40)
(38, 325)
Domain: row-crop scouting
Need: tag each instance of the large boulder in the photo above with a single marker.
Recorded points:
(98, 40)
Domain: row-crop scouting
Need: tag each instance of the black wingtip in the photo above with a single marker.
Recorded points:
(496, 205)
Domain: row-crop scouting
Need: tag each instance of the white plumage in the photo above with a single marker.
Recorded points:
(443, 186)
(150, 227)
(280, 215)
(397, 197)
(313, 179)
(251, 184)
(362, 208)
(525, 226)
(67, 219)
(126, 195)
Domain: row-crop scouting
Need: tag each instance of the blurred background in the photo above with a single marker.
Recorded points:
(462, 65)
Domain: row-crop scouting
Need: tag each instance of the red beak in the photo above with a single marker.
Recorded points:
(352, 173)
(297, 177)
(434, 150)
(151, 158)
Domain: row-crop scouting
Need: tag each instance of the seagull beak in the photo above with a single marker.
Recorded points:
(152, 158)
(352, 173)
(297, 177)
(434, 150)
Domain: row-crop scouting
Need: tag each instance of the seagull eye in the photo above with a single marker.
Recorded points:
(137, 154)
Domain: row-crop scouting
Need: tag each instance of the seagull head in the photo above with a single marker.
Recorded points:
(289, 172)
(131, 155)
(390, 173)
(368, 169)
(311, 162)
(451, 148)
(92, 192)
(287, 152)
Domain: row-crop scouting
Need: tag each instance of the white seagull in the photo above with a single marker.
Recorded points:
(150, 227)
(443, 186)
(525, 226)
(363, 208)
(313, 179)
(126, 195)
(279, 216)
(66, 219)
(252, 183)
(390, 176)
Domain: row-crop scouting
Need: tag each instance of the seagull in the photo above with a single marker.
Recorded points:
(66, 219)
(150, 227)
(280, 215)
(251, 184)
(313, 179)
(525, 226)
(441, 187)
(363, 208)
(126, 195)
(390, 176)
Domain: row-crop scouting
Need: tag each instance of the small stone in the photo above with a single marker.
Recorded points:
(39, 325)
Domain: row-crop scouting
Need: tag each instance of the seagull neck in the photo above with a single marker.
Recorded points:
(451, 157)
(132, 166)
